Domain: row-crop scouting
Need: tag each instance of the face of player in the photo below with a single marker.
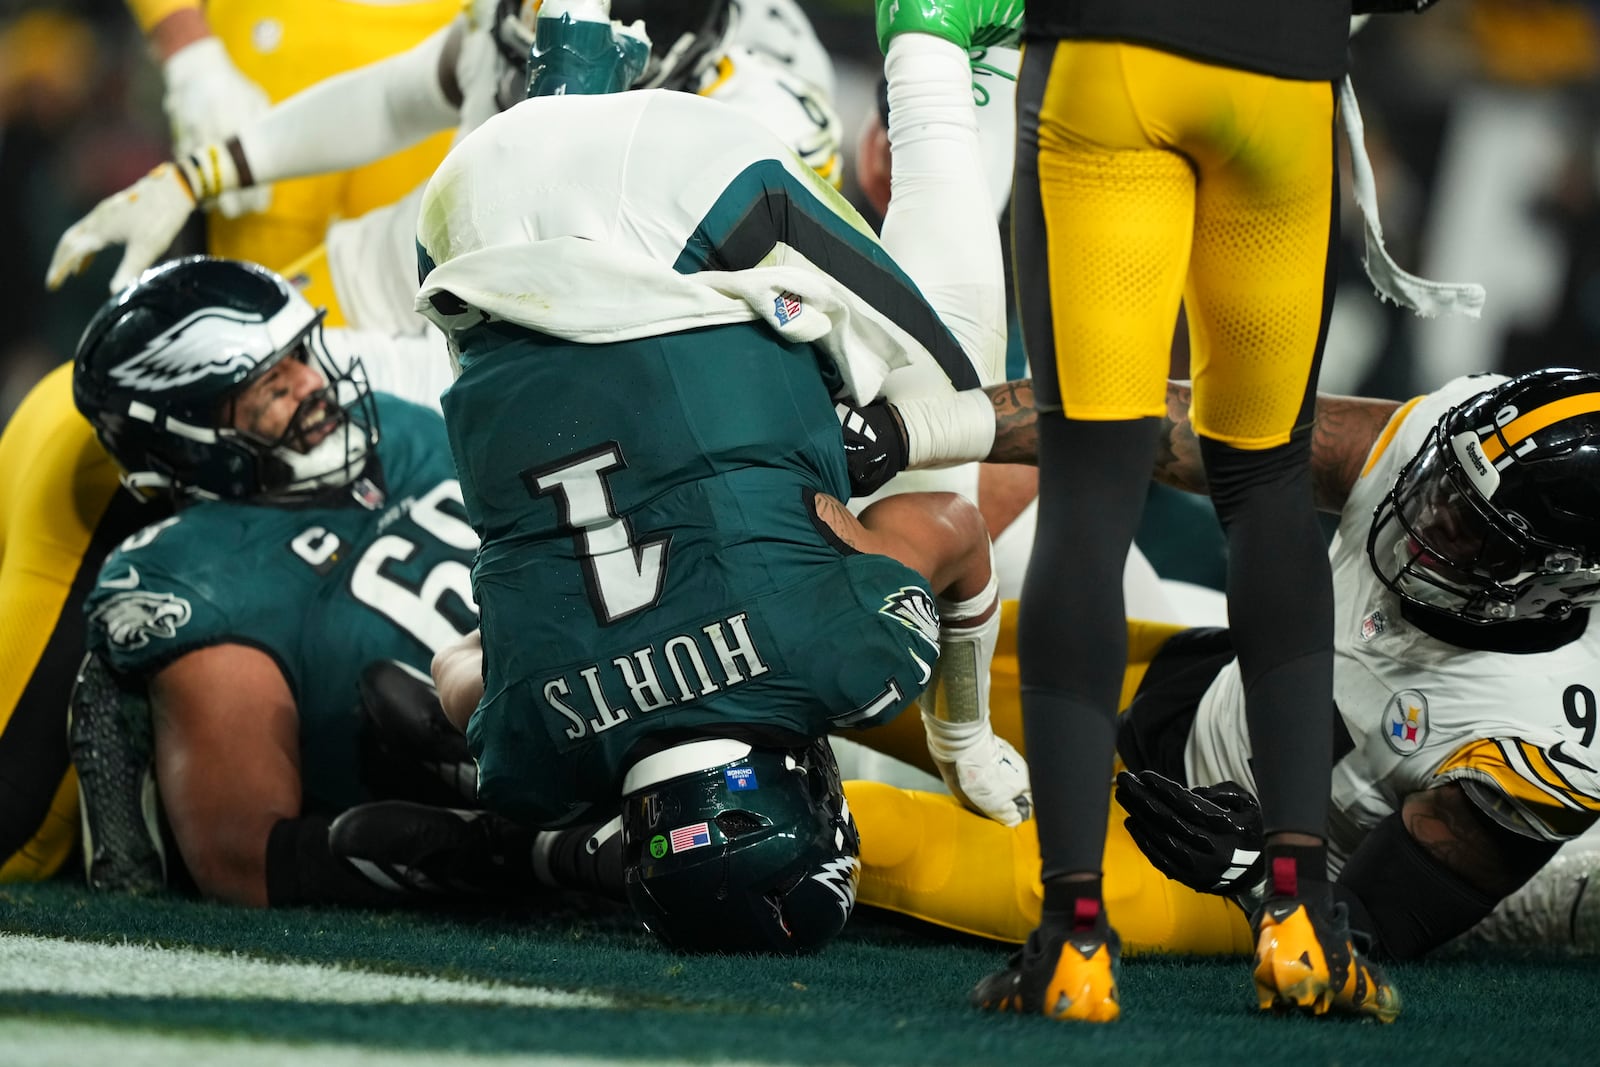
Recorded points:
(288, 406)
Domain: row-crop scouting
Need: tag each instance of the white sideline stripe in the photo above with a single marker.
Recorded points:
(62, 1045)
(50, 965)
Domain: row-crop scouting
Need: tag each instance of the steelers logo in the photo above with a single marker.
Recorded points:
(1405, 726)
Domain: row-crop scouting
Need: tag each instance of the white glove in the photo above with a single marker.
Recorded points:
(208, 101)
(981, 769)
(146, 216)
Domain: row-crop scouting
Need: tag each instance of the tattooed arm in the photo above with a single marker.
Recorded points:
(1346, 429)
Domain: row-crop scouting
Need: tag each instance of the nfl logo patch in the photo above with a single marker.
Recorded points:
(367, 494)
(740, 779)
(1372, 626)
(786, 306)
(1405, 726)
(697, 835)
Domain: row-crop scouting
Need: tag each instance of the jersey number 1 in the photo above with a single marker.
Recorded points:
(623, 576)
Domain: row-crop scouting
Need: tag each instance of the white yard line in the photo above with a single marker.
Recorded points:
(49, 965)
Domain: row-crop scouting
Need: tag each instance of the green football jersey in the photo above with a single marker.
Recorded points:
(652, 561)
(383, 572)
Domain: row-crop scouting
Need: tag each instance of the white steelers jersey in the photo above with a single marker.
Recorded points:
(789, 105)
(780, 30)
(1518, 730)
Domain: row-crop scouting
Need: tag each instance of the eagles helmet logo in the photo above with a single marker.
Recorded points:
(201, 345)
(840, 876)
(131, 619)
(913, 608)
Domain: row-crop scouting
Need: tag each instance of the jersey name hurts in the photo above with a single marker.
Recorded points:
(680, 669)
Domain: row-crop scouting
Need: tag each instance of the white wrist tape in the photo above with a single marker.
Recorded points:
(949, 430)
(210, 171)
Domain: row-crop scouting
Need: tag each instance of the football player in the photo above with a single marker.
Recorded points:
(676, 606)
(60, 507)
(365, 271)
(1465, 567)
(304, 546)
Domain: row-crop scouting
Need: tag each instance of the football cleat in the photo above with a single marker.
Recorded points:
(967, 23)
(1306, 960)
(1060, 974)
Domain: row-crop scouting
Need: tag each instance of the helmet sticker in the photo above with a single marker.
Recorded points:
(1484, 478)
(740, 779)
(658, 846)
(695, 835)
(840, 877)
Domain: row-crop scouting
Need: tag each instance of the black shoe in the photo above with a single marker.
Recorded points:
(1060, 974)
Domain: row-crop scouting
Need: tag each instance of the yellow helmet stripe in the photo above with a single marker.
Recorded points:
(1525, 426)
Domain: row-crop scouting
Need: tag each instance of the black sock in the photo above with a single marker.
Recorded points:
(1074, 903)
(1296, 870)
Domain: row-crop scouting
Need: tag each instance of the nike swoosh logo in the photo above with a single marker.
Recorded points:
(127, 581)
(1559, 756)
(927, 671)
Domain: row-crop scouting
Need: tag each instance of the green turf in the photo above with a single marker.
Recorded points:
(886, 994)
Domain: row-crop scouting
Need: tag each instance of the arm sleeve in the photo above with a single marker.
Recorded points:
(353, 118)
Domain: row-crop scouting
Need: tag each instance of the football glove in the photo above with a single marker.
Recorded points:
(436, 852)
(875, 446)
(1209, 838)
(207, 101)
(980, 769)
(146, 217)
(410, 751)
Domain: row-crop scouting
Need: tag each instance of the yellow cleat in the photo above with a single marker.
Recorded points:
(1060, 975)
(1307, 961)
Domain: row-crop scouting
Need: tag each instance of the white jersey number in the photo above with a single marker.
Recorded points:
(624, 577)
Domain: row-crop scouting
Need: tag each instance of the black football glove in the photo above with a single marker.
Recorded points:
(410, 751)
(1209, 838)
(875, 446)
(448, 853)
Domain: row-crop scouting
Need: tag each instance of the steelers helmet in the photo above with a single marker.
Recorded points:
(729, 847)
(159, 363)
(1497, 516)
(687, 38)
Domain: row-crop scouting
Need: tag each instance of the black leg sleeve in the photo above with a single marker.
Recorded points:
(1071, 631)
(1280, 614)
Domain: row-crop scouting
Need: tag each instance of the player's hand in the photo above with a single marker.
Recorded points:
(146, 217)
(983, 772)
(207, 101)
(1209, 838)
(875, 446)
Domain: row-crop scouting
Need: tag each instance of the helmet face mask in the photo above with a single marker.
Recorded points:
(730, 848)
(159, 368)
(1497, 517)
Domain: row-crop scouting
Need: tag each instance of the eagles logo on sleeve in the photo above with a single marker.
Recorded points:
(131, 619)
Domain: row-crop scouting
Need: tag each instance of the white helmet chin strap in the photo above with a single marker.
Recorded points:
(335, 460)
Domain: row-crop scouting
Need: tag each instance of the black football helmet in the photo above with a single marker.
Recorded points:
(1497, 517)
(731, 848)
(686, 36)
(159, 362)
